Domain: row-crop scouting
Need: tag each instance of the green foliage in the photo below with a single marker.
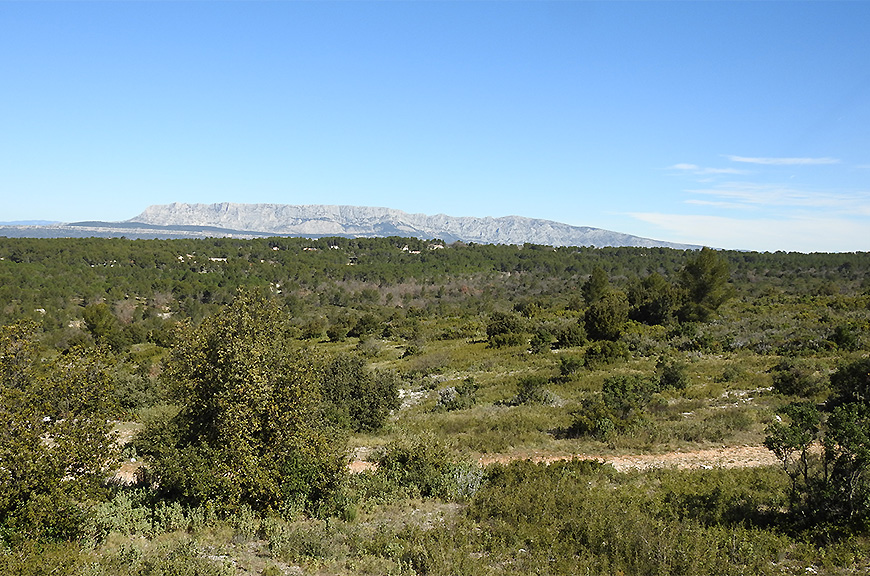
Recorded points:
(504, 329)
(626, 396)
(247, 431)
(844, 338)
(570, 335)
(576, 517)
(653, 300)
(606, 318)
(837, 490)
(55, 439)
(458, 397)
(705, 281)
(355, 396)
(596, 286)
(791, 442)
(671, 374)
(594, 419)
(421, 464)
(797, 377)
(605, 352)
(532, 390)
(570, 364)
(851, 384)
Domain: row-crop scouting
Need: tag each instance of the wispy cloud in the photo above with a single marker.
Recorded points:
(704, 171)
(751, 210)
(765, 234)
(773, 195)
(783, 161)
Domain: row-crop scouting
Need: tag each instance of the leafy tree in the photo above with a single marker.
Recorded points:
(103, 325)
(55, 438)
(790, 441)
(247, 431)
(705, 281)
(838, 489)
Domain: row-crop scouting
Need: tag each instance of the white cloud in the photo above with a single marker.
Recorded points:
(775, 195)
(702, 171)
(766, 234)
(784, 161)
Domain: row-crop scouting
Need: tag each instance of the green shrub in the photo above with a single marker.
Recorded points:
(570, 335)
(605, 352)
(504, 330)
(627, 395)
(594, 419)
(421, 463)
(606, 318)
(569, 365)
(532, 390)
(457, 397)
(797, 377)
(355, 396)
(671, 374)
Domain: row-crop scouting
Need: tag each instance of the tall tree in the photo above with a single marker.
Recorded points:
(247, 432)
(596, 286)
(705, 281)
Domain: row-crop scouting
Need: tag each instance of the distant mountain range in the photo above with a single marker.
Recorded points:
(180, 220)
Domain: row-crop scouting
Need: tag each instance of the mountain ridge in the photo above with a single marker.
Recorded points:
(234, 220)
(366, 221)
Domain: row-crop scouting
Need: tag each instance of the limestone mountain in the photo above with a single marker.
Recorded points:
(365, 221)
(180, 220)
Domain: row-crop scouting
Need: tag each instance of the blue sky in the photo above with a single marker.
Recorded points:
(742, 125)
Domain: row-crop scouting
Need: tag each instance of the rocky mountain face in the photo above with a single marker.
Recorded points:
(262, 220)
(363, 221)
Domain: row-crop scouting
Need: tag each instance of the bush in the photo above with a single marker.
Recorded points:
(605, 352)
(569, 365)
(421, 463)
(505, 330)
(671, 374)
(627, 396)
(355, 396)
(248, 432)
(570, 335)
(532, 390)
(594, 419)
(606, 318)
(797, 377)
(457, 397)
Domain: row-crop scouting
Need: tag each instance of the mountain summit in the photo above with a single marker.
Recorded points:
(365, 221)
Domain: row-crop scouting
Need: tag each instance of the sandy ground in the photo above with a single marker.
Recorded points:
(725, 457)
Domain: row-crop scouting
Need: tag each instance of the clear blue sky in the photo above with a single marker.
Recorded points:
(740, 125)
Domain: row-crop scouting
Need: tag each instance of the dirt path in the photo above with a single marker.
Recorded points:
(725, 457)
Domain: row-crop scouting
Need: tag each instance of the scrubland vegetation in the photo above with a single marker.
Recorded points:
(235, 380)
